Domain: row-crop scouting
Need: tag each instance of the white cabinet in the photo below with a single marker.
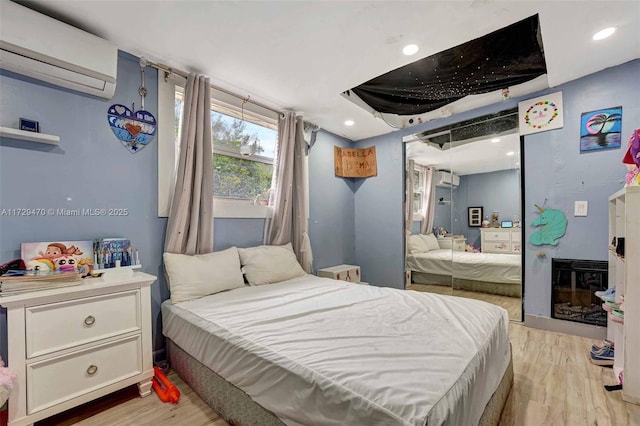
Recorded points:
(501, 240)
(349, 273)
(624, 222)
(456, 243)
(70, 345)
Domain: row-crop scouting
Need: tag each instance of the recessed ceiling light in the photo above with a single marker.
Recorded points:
(410, 49)
(510, 153)
(495, 140)
(349, 123)
(601, 35)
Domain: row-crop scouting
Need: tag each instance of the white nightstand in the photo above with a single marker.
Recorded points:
(350, 273)
(71, 345)
(456, 242)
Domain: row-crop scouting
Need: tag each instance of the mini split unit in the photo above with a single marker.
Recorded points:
(40, 47)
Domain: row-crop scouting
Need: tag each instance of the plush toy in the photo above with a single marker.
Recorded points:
(40, 264)
(471, 249)
(632, 160)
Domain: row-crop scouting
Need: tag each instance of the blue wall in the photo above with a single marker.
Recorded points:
(331, 205)
(553, 169)
(556, 171)
(89, 169)
(94, 170)
(378, 215)
(229, 232)
(495, 191)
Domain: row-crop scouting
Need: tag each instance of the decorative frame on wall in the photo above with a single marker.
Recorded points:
(475, 217)
(541, 114)
(601, 129)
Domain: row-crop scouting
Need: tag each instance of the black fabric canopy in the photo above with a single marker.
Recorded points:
(503, 58)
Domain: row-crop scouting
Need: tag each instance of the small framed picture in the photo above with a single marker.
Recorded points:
(475, 217)
(506, 224)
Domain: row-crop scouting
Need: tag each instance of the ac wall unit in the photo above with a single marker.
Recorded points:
(43, 48)
(447, 179)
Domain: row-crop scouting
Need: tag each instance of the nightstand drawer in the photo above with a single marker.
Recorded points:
(516, 237)
(60, 379)
(57, 326)
(498, 235)
(459, 244)
(496, 247)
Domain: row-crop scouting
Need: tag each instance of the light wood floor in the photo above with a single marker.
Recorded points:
(555, 384)
(513, 305)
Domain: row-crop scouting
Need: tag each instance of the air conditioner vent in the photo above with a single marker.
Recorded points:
(43, 48)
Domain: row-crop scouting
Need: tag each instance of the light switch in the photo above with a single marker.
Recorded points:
(580, 208)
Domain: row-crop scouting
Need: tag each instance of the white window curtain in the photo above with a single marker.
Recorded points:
(428, 200)
(408, 205)
(190, 224)
(289, 221)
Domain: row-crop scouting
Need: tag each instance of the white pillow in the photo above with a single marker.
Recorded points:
(191, 277)
(431, 241)
(415, 244)
(269, 264)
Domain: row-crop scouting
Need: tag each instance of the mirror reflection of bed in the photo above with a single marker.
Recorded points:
(464, 193)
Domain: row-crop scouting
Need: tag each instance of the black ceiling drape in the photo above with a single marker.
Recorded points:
(503, 58)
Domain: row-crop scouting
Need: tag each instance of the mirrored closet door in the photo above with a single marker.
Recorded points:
(465, 188)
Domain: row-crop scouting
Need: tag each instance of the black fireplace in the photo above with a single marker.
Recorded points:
(573, 284)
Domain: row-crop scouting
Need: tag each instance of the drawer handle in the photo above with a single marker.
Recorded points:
(90, 320)
(92, 370)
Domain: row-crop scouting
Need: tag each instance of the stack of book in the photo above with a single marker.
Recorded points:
(21, 281)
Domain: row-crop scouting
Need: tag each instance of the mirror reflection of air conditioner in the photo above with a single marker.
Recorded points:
(447, 179)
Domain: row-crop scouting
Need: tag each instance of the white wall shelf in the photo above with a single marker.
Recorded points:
(624, 222)
(8, 132)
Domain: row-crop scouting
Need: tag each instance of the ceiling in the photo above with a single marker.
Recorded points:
(303, 55)
(470, 157)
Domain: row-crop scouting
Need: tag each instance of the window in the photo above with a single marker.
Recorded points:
(417, 191)
(244, 146)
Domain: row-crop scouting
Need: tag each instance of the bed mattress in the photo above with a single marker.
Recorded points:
(316, 351)
(490, 267)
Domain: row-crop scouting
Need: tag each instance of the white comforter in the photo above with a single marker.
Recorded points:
(489, 267)
(316, 351)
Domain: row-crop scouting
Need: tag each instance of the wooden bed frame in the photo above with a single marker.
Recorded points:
(237, 408)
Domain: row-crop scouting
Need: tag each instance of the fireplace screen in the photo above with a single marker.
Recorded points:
(574, 283)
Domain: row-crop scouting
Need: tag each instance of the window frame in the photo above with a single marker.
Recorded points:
(223, 103)
(418, 190)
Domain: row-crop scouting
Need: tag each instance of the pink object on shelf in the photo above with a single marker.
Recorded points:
(616, 319)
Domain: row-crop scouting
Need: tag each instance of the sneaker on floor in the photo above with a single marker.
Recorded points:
(609, 295)
(604, 358)
(596, 349)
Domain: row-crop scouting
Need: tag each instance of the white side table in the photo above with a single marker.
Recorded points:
(456, 243)
(350, 273)
(71, 345)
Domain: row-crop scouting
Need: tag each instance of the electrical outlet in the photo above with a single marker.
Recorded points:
(580, 208)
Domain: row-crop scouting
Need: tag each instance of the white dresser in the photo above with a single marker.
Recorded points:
(68, 346)
(501, 240)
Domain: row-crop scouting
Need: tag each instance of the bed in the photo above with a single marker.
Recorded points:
(485, 272)
(316, 351)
